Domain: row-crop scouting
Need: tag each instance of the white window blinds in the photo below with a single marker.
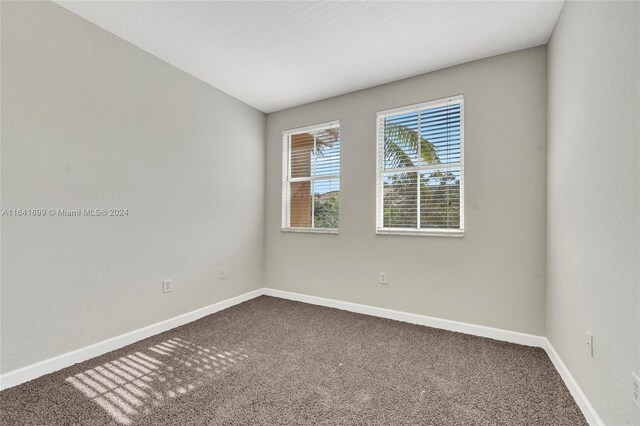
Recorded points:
(311, 178)
(420, 175)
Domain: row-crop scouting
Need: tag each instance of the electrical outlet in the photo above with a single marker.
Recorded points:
(382, 278)
(589, 341)
(635, 390)
(166, 286)
(223, 273)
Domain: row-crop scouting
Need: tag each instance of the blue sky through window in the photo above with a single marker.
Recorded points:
(440, 126)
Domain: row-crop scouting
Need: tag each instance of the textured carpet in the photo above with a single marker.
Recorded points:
(272, 361)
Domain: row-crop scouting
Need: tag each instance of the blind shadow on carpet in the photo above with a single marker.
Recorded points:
(134, 384)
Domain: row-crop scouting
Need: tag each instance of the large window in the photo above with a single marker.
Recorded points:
(420, 177)
(311, 178)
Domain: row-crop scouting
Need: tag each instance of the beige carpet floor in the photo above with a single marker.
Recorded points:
(270, 361)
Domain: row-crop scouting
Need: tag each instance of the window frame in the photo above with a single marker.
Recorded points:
(380, 171)
(287, 179)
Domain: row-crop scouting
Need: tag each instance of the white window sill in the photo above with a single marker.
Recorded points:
(311, 230)
(450, 233)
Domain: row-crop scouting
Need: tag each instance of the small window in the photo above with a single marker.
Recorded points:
(420, 173)
(311, 178)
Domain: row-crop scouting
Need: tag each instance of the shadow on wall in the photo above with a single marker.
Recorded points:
(132, 385)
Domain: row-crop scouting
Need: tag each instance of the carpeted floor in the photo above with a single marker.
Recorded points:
(271, 361)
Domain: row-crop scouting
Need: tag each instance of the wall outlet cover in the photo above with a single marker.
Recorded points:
(635, 390)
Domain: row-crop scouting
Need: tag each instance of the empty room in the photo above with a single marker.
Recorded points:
(320, 212)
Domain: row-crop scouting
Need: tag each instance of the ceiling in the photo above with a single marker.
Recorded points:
(277, 54)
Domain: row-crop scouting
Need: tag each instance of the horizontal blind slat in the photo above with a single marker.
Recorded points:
(311, 177)
(420, 167)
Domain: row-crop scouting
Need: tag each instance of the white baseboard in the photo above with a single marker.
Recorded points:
(30, 372)
(457, 326)
(461, 327)
(33, 371)
(581, 399)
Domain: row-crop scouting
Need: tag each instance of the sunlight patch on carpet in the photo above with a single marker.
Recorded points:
(133, 384)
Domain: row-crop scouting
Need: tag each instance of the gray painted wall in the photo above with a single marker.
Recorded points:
(90, 121)
(593, 253)
(495, 275)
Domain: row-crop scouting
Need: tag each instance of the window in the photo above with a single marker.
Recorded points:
(311, 178)
(420, 177)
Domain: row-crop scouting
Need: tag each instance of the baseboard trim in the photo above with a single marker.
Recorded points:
(587, 409)
(457, 326)
(585, 406)
(33, 371)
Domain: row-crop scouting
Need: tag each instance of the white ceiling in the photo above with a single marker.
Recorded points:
(275, 55)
